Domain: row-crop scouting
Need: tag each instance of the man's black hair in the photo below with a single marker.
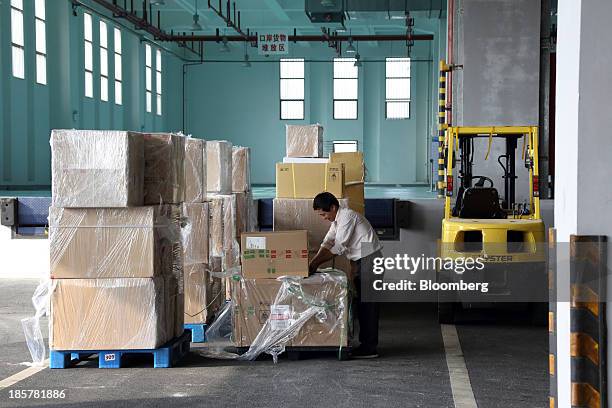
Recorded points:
(324, 201)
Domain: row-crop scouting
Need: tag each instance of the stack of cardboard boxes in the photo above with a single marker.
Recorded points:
(260, 299)
(116, 262)
(300, 179)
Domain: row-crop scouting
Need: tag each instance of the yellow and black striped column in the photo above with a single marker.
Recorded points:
(552, 317)
(588, 328)
(442, 126)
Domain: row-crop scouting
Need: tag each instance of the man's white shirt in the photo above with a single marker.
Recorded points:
(346, 234)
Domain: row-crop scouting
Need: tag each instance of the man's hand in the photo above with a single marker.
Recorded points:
(312, 269)
(320, 258)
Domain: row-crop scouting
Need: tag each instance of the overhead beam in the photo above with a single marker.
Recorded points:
(310, 38)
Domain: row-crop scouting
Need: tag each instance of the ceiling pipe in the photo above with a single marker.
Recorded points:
(228, 19)
(308, 38)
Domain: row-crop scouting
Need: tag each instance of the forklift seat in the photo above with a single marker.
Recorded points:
(479, 202)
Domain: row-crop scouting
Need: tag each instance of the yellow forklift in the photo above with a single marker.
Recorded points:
(507, 235)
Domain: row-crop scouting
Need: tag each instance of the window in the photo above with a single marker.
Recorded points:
(158, 81)
(103, 62)
(148, 80)
(292, 88)
(41, 42)
(118, 68)
(17, 39)
(397, 84)
(345, 146)
(88, 36)
(345, 88)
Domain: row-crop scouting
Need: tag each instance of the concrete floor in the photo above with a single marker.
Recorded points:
(507, 365)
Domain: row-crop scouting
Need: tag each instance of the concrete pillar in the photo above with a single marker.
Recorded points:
(583, 148)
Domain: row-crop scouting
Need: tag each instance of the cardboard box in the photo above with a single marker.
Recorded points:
(306, 180)
(222, 226)
(241, 169)
(135, 242)
(195, 182)
(108, 314)
(194, 233)
(219, 166)
(197, 293)
(254, 302)
(164, 180)
(304, 140)
(245, 212)
(297, 213)
(338, 262)
(252, 299)
(94, 168)
(274, 254)
(354, 177)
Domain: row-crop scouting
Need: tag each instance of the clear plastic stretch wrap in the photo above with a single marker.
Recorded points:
(246, 215)
(304, 140)
(195, 232)
(219, 166)
(223, 239)
(135, 242)
(295, 214)
(164, 177)
(95, 168)
(203, 297)
(271, 314)
(195, 182)
(241, 169)
(108, 314)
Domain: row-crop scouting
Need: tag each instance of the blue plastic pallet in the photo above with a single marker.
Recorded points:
(163, 357)
(198, 332)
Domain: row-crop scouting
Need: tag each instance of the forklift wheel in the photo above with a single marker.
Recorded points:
(446, 312)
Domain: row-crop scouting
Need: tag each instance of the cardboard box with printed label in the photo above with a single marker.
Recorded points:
(164, 178)
(274, 254)
(135, 242)
(306, 180)
(107, 314)
(304, 140)
(297, 213)
(95, 168)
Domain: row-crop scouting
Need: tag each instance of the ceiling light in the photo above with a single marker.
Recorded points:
(158, 2)
(357, 61)
(196, 26)
(350, 49)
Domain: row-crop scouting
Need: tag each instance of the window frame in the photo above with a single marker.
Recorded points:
(280, 81)
(117, 65)
(14, 45)
(149, 72)
(90, 42)
(345, 142)
(39, 53)
(158, 83)
(334, 99)
(401, 100)
(104, 48)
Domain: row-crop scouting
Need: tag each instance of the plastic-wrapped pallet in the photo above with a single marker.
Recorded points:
(95, 168)
(219, 166)
(304, 140)
(195, 176)
(164, 179)
(135, 242)
(296, 214)
(308, 312)
(109, 314)
(195, 232)
(241, 169)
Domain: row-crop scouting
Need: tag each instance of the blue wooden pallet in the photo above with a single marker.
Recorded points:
(163, 357)
(198, 332)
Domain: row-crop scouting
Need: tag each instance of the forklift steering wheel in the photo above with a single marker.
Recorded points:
(481, 181)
